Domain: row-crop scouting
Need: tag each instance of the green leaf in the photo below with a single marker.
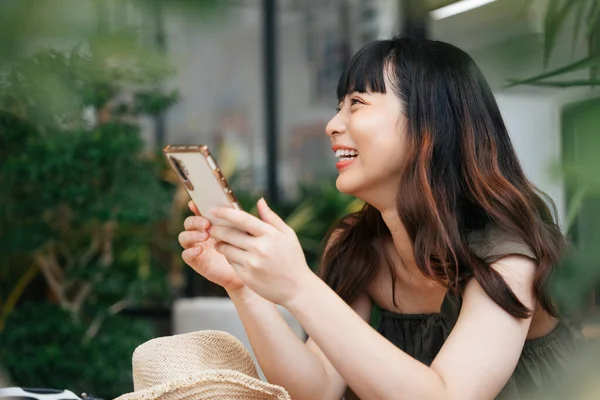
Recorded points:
(594, 36)
(576, 203)
(577, 27)
(584, 63)
(550, 30)
(565, 84)
(593, 18)
(301, 216)
(525, 6)
(555, 19)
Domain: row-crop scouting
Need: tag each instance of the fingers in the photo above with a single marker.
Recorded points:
(193, 208)
(270, 217)
(234, 255)
(189, 239)
(195, 231)
(196, 223)
(242, 220)
(189, 255)
(231, 236)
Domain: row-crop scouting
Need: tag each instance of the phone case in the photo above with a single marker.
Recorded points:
(203, 180)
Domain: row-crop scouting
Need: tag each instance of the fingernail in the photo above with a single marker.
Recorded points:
(202, 235)
(197, 250)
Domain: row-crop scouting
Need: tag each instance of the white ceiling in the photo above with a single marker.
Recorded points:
(488, 24)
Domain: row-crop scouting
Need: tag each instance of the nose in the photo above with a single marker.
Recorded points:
(336, 125)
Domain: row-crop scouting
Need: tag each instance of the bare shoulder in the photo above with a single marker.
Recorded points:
(517, 271)
(517, 267)
(519, 274)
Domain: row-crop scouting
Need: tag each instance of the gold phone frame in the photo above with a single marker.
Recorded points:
(171, 150)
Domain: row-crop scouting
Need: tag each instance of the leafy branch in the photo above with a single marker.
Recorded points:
(585, 15)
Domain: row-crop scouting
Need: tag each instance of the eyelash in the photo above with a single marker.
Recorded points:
(338, 109)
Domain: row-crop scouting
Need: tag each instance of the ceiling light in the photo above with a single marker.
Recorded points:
(457, 8)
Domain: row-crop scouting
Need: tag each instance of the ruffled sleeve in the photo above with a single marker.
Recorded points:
(493, 243)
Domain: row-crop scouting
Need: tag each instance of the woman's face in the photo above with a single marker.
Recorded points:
(367, 136)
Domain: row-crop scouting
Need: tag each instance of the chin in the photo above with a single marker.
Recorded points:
(347, 186)
(377, 191)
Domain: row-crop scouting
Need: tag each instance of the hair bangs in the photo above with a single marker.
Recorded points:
(365, 72)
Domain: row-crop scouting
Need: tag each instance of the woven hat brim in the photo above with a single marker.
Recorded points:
(211, 385)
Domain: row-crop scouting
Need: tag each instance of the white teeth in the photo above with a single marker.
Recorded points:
(345, 153)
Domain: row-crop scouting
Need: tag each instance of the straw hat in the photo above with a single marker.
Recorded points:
(198, 365)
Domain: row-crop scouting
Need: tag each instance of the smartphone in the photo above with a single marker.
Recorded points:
(202, 179)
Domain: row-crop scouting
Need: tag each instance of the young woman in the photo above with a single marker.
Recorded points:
(454, 246)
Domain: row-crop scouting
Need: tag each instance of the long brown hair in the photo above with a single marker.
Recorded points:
(460, 174)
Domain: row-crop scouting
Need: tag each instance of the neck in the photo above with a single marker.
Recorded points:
(402, 242)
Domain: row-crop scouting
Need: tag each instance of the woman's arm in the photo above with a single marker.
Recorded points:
(302, 369)
(485, 345)
(475, 362)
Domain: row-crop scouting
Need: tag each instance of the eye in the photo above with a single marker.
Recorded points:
(355, 101)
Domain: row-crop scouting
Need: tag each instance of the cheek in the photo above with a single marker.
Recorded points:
(393, 137)
(386, 141)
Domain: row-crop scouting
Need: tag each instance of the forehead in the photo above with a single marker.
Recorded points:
(366, 72)
(365, 89)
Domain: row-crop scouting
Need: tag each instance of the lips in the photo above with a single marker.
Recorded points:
(344, 163)
(337, 147)
(345, 155)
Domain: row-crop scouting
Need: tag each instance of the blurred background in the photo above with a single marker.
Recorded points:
(91, 90)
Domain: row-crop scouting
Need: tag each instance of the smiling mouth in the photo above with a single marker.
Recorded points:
(344, 154)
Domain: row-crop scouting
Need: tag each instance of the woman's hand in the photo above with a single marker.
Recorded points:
(201, 255)
(266, 254)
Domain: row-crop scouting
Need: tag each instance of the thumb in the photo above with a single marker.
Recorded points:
(269, 216)
(193, 207)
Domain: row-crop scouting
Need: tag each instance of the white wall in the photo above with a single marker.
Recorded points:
(533, 122)
(506, 43)
(533, 118)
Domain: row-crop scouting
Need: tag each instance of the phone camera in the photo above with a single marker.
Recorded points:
(182, 172)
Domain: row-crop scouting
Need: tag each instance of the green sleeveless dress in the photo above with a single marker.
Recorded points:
(542, 361)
